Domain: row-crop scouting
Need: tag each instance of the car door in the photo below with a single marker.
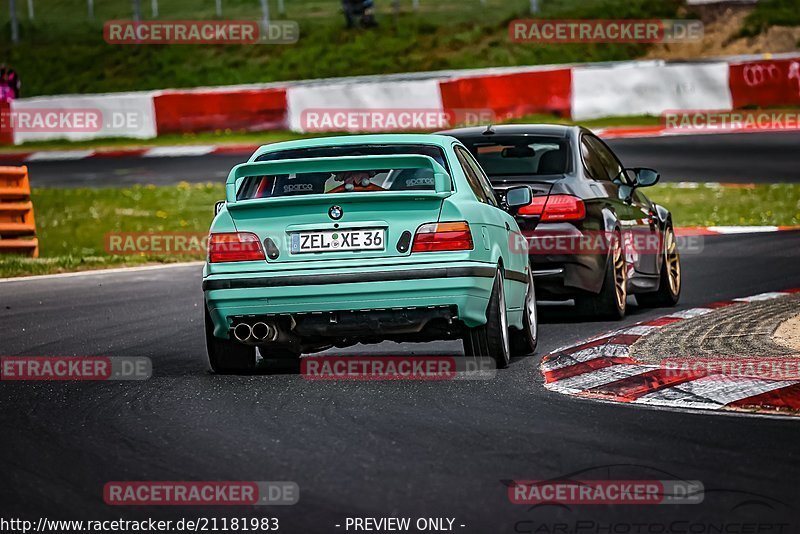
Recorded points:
(639, 228)
(503, 228)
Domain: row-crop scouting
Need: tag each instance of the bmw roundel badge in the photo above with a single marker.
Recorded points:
(335, 212)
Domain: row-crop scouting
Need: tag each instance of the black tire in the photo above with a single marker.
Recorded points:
(523, 342)
(669, 283)
(226, 356)
(610, 303)
(492, 338)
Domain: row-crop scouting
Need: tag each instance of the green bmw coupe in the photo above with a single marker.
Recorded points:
(360, 239)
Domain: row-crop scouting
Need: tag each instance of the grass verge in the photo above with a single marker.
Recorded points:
(73, 223)
(62, 51)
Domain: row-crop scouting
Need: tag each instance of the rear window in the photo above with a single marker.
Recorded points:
(432, 151)
(317, 183)
(521, 156)
(285, 185)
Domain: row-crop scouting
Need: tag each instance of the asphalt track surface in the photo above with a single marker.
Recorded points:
(744, 158)
(373, 449)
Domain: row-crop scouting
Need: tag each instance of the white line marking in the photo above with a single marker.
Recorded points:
(55, 155)
(742, 229)
(95, 272)
(179, 151)
(600, 377)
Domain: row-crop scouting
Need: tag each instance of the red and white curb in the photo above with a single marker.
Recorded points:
(602, 368)
(177, 151)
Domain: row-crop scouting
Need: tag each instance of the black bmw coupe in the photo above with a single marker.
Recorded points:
(591, 233)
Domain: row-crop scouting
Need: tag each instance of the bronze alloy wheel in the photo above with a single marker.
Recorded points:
(673, 261)
(620, 275)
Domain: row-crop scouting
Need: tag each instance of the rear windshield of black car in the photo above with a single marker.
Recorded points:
(433, 151)
(522, 155)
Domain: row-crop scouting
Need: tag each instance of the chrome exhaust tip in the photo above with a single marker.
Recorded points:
(263, 332)
(242, 332)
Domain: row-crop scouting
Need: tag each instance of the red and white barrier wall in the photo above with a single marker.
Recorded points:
(399, 95)
(577, 91)
(511, 95)
(648, 88)
(190, 111)
(765, 83)
(81, 117)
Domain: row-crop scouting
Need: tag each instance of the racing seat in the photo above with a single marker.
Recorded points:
(552, 162)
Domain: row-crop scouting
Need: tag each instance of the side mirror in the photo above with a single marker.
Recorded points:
(218, 206)
(645, 177)
(516, 197)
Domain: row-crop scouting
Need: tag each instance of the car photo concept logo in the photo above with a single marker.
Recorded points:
(335, 212)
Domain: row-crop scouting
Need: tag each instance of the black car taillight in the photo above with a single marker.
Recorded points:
(555, 208)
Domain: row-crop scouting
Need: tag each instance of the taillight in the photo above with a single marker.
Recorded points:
(436, 237)
(555, 208)
(234, 246)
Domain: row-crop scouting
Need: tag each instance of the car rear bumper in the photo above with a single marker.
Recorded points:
(566, 276)
(466, 286)
(562, 266)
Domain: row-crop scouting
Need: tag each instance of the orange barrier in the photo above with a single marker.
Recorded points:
(17, 226)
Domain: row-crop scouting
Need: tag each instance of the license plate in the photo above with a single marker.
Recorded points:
(336, 240)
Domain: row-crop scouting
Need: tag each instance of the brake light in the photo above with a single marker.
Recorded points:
(234, 246)
(555, 208)
(437, 237)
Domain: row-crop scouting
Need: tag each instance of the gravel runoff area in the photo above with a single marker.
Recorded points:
(788, 333)
(768, 328)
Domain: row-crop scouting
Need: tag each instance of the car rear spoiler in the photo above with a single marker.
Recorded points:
(442, 182)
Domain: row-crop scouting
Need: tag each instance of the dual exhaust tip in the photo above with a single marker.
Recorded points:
(258, 332)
